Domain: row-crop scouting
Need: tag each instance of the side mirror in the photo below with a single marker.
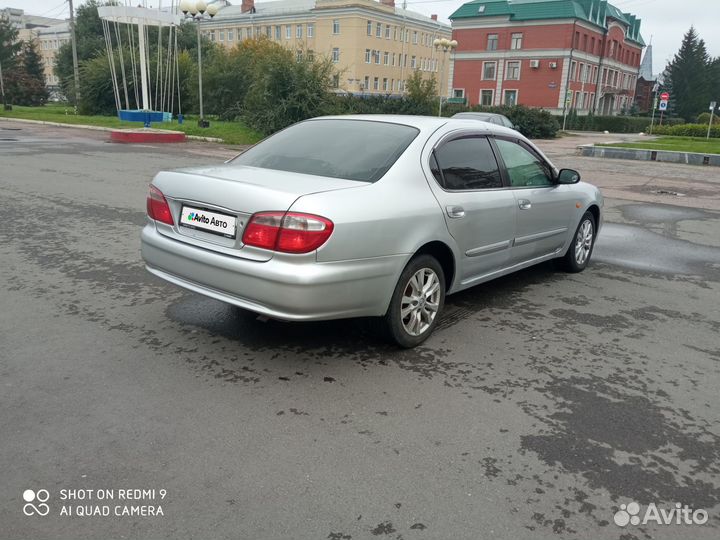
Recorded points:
(568, 176)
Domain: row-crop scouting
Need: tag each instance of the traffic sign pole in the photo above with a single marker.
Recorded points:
(712, 112)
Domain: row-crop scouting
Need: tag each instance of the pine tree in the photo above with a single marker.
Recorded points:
(687, 77)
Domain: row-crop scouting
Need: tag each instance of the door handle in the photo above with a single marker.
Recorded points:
(455, 211)
(524, 204)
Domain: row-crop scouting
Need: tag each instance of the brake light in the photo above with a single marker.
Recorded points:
(291, 232)
(157, 207)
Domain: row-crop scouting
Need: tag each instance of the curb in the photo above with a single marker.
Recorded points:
(642, 154)
(97, 128)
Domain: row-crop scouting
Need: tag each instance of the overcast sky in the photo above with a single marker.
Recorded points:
(665, 20)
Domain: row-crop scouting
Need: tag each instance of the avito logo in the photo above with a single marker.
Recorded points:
(194, 216)
(629, 514)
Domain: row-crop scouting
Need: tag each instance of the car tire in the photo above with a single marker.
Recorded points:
(583, 241)
(414, 312)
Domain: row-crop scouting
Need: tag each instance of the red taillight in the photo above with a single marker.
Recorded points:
(290, 232)
(157, 207)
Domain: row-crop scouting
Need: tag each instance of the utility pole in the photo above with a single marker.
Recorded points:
(74, 53)
(2, 89)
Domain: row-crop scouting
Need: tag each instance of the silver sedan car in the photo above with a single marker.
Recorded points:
(356, 216)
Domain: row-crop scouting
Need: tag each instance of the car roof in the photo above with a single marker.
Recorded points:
(477, 115)
(425, 123)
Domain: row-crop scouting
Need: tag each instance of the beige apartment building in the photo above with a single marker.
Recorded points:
(375, 45)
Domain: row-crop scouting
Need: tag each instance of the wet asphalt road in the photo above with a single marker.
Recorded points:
(542, 403)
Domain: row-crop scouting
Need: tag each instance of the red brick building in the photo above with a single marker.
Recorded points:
(583, 54)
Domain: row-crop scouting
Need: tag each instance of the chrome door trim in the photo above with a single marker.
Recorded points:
(520, 240)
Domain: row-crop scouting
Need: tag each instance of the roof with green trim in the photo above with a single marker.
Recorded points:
(596, 12)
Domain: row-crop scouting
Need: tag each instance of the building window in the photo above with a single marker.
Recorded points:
(221, 35)
(510, 98)
(377, 57)
(310, 30)
(386, 58)
(310, 55)
(212, 35)
(415, 37)
(298, 55)
(486, 98)
(516, 41)
(395, 32)
(413, 62)
(392, 59)
(335, 55)
(369, 28)
(387, 31)
(278, 32)
(231, 35)
(298, 31)
(376, 83)
(489, 70)
(366, 86)
(512, 72)
(336, 81)
(367, 56)
(288, 32)
(492, 42)
(385, 84)
(268, 32)
(573, 69)
(459, 92)
(378, 30)
(336, 26)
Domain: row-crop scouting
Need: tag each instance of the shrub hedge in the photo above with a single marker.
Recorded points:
(614, 124)
(687, 130)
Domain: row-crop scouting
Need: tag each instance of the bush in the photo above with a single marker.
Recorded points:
(687, 130)
(533, 123)
(704, 118)
(613, 124)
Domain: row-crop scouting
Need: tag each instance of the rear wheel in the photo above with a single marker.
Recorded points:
(580, 250)
(416, 303)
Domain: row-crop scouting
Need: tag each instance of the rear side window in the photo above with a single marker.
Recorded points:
(467, 163)
(350, 149)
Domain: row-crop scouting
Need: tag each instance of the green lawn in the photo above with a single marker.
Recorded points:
(229, 132)
(675, 144)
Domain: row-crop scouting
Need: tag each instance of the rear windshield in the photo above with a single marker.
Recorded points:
(350, 149)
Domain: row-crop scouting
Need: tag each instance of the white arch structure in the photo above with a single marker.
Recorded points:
(142, 17)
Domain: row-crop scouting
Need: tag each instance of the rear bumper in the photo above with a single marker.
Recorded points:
(295, 289)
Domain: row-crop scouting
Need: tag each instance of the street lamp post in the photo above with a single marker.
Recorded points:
(195, 12)
(2, 89)
(443, 45)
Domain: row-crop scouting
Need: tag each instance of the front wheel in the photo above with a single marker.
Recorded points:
(580, 250)
(417, 301)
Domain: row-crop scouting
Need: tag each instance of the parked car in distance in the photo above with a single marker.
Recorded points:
(367, 216)
(493, 118)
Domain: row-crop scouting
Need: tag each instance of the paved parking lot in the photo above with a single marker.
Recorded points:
(542, 403)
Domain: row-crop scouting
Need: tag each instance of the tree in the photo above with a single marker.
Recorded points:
(422, 91)
(687, 77)
(90, 44)
(9, 48)
(25, 84)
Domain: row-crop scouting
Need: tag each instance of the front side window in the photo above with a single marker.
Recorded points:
(466, 164)
(350, 149)
(524, 167)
